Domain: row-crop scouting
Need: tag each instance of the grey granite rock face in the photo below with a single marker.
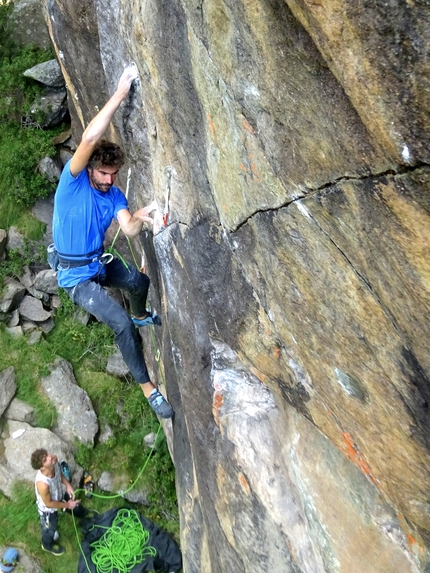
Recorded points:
(287, 144)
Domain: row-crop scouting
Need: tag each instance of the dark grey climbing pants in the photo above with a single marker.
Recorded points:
(91, 296)
(49, 522)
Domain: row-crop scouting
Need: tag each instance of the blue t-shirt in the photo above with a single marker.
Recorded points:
(82, 216)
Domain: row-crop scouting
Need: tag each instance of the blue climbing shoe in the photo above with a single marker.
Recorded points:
(151, 319)
(160, 405)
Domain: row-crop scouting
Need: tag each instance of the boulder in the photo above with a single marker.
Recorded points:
(11, 295)
(48, 73)
(50, 169)
(116, 365)
(76, 416)
(119, 484)
(19, 411)
(22, 441)
(43, 210)
(106, 433)
(47, 325)
(14, 330)
(50, 108)
(46, 281)
(15, 240)
(28, 326)
(35, 337)
(55, 301)
(32, 309)
(14, 321)
(7, 388)
(150, 439)
(65, 156)
(27, 278)
(29, 24)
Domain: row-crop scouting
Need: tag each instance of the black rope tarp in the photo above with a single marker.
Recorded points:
(166, 560)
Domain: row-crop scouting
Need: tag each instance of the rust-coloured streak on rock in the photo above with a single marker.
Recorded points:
(244, 484)
(216, 406)
(354, 456)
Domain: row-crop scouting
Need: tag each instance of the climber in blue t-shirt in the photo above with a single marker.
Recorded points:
(86, 201)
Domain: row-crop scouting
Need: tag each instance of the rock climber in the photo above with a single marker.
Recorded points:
(53, 492)
(85, 203)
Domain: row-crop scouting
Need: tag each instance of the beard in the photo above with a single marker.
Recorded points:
(104, 187)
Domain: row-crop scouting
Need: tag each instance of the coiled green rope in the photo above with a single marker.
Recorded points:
(123, 545)
(121, 542)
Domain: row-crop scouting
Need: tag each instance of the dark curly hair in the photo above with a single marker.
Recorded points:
(37, 458)
(108, 154)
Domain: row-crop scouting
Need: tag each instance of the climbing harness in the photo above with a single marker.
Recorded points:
(69, 261)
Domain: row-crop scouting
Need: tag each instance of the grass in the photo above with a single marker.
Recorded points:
(87, 349)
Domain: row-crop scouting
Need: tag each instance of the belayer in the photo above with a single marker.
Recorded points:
(86, 201)
(50, 484)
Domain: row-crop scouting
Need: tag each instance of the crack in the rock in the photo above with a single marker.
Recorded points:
(311, 193)
(316, 190)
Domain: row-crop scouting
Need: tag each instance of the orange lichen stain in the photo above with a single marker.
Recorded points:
(225, 208)
(251, 170)
(244, 483)
(212, 127)
(412, 542)
(216, 407)
(352, 453)
(248, 127)
(277, 352)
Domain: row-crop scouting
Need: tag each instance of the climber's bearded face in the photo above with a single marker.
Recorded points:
(103, 177)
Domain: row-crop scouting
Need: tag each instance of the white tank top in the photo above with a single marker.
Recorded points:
(55, 489)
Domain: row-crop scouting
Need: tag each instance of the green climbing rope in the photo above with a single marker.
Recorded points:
(123, 545)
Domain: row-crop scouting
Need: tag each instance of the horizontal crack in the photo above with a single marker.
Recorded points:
(312, 192)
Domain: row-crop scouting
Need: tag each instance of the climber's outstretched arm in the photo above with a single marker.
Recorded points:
(131, 225)
(99, 124)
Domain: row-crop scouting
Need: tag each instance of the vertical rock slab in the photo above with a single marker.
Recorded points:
(379, 53)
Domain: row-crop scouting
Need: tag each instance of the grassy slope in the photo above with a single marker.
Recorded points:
(87, 348)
